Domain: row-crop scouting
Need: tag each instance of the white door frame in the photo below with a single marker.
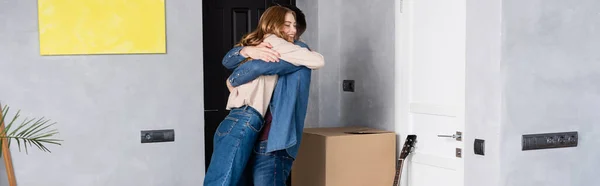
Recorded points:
(402, 70)
(402, 78)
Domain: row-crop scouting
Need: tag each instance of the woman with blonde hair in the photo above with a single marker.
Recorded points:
(236, 135)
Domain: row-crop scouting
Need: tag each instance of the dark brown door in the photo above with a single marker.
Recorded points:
(224, 23)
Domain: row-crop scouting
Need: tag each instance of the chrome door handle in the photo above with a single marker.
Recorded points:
(457, 136)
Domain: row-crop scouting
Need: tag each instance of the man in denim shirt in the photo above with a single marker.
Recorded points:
(272, 159)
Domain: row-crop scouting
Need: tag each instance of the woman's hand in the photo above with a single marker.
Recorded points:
(262, 51)
(229, 86)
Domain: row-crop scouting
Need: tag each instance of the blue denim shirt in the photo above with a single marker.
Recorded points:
(290, 98)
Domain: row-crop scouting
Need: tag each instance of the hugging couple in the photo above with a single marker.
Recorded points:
(258, 141)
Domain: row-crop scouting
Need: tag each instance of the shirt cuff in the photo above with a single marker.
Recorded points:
(236, 53)
(237, 50)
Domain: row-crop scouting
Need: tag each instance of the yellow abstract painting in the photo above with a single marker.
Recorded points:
(101, 27)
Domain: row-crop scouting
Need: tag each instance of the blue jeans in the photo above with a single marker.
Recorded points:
(270, 168)
(233, 144)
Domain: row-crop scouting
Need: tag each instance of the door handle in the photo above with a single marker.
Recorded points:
(457, 136)
(212, 110)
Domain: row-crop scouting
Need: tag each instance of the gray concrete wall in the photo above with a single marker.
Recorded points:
(310, 8)
(357, 40)
(329, 41)
(367, 56)
(535, 74)
(551, 63)
(101, 103)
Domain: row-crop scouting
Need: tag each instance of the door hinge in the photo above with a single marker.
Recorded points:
(458, 152)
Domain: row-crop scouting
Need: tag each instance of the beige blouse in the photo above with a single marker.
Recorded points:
(257, 93)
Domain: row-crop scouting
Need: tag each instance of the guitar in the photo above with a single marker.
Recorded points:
(409, 144)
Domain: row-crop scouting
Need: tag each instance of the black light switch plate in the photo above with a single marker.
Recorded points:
(348, 85)
(479, 146)
(154, 136)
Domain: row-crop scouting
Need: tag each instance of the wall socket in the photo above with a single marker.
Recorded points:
(154, 136)
(348, 85)
(549, 140)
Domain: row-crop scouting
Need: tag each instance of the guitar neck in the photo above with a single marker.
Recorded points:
(406, 150)
(398, 171)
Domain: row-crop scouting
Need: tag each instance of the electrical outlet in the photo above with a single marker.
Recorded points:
(549, 140)
(154, 136)
(348, 85)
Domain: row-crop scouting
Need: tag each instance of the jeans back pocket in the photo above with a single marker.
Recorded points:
(226, 126)
(256, 124)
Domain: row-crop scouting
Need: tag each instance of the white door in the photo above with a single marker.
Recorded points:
(430, 88)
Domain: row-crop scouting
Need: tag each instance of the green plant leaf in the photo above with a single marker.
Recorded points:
(22, 125)
(19, 143)
(31, 132)
(7, 127)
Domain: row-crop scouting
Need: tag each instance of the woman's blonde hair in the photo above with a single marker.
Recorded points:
(272, 21)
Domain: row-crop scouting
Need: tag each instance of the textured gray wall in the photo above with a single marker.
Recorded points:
(536, 73)
(357, 40)
(551, 63)
(329, 39)
(367, 56)
(310, 8)
(102, 102)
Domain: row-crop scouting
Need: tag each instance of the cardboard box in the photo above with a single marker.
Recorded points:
(347, 156)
